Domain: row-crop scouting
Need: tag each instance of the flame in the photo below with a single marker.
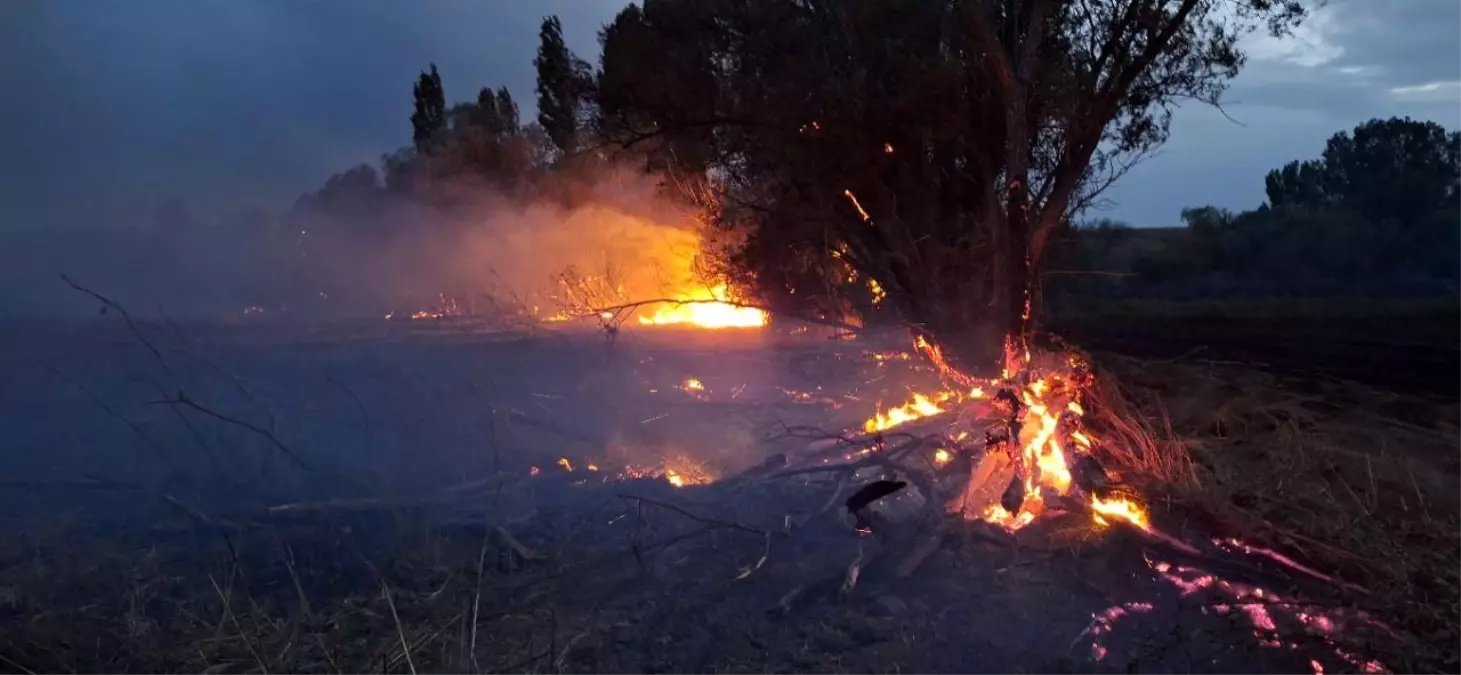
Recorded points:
(942, 457)
(693, 384)
(707, 308)
(563, 462)
(1051, 405)
(1118, 508)
(918, 408)
(1049, 430)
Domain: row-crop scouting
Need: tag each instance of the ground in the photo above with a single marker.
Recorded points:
(386, 496)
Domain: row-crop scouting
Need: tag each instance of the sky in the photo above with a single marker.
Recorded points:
(112, 107)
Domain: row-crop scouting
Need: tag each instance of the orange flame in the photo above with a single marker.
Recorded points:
(1118, 509)
(707, 309)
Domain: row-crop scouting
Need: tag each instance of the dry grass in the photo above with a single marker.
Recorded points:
(1348, 480)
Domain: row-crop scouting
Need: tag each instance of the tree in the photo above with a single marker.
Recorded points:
(1397, 169)
(936, 147)
(1296, 183)
(429, 117)
(563, 83)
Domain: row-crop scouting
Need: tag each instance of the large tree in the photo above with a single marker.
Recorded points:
(429, 115)
(1400, 170)
(931, 147)
(563, 86)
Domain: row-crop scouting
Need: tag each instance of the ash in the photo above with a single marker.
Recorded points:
(438, 496)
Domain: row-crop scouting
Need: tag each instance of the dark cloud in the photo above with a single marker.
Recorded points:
(111, 107)
(1352, 61)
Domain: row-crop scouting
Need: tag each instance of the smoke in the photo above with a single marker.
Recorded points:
(616, 232)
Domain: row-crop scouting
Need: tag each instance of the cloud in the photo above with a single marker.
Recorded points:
(1430, 91)
(117, 106)
(1312, 44)
(229, 104)
(1351, 60)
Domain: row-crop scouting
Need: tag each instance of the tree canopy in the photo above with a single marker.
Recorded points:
(1397, 169)
(931, 147)
(564, 82)
(1378, 214)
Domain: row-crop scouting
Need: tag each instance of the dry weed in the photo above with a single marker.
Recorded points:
(1349, 480)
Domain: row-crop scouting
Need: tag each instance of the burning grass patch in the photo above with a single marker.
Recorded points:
(1338, 477)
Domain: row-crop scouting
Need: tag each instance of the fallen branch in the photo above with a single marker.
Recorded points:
(697, 518)
(183, 400)
(517, 547)
(108, 303)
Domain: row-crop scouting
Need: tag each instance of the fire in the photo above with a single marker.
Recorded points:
(919, 407)
(1046, 414)
(1123, 509)
(707, 308)
(942, 457)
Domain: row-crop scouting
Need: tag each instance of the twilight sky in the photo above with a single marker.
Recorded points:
(112, 106)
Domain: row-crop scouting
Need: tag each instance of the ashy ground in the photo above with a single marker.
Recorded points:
(386, 496)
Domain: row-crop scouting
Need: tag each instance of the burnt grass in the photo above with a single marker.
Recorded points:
(139, 537)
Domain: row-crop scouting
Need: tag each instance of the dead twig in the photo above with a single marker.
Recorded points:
(400, 631)
(182, 400)
(697, 518)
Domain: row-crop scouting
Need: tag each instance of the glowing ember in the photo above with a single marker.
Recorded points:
(693, 384)
(563, 462)
(877, 290)
(678, 471)
(884, 357)
(707, 308)
(942, 457)
(858, 205)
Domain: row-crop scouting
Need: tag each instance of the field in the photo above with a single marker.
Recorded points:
(388, 496)
(1419, 354)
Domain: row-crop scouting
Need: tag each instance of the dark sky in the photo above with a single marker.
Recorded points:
(111, 106)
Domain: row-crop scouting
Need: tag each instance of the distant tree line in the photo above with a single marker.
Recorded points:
(1377, 214)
